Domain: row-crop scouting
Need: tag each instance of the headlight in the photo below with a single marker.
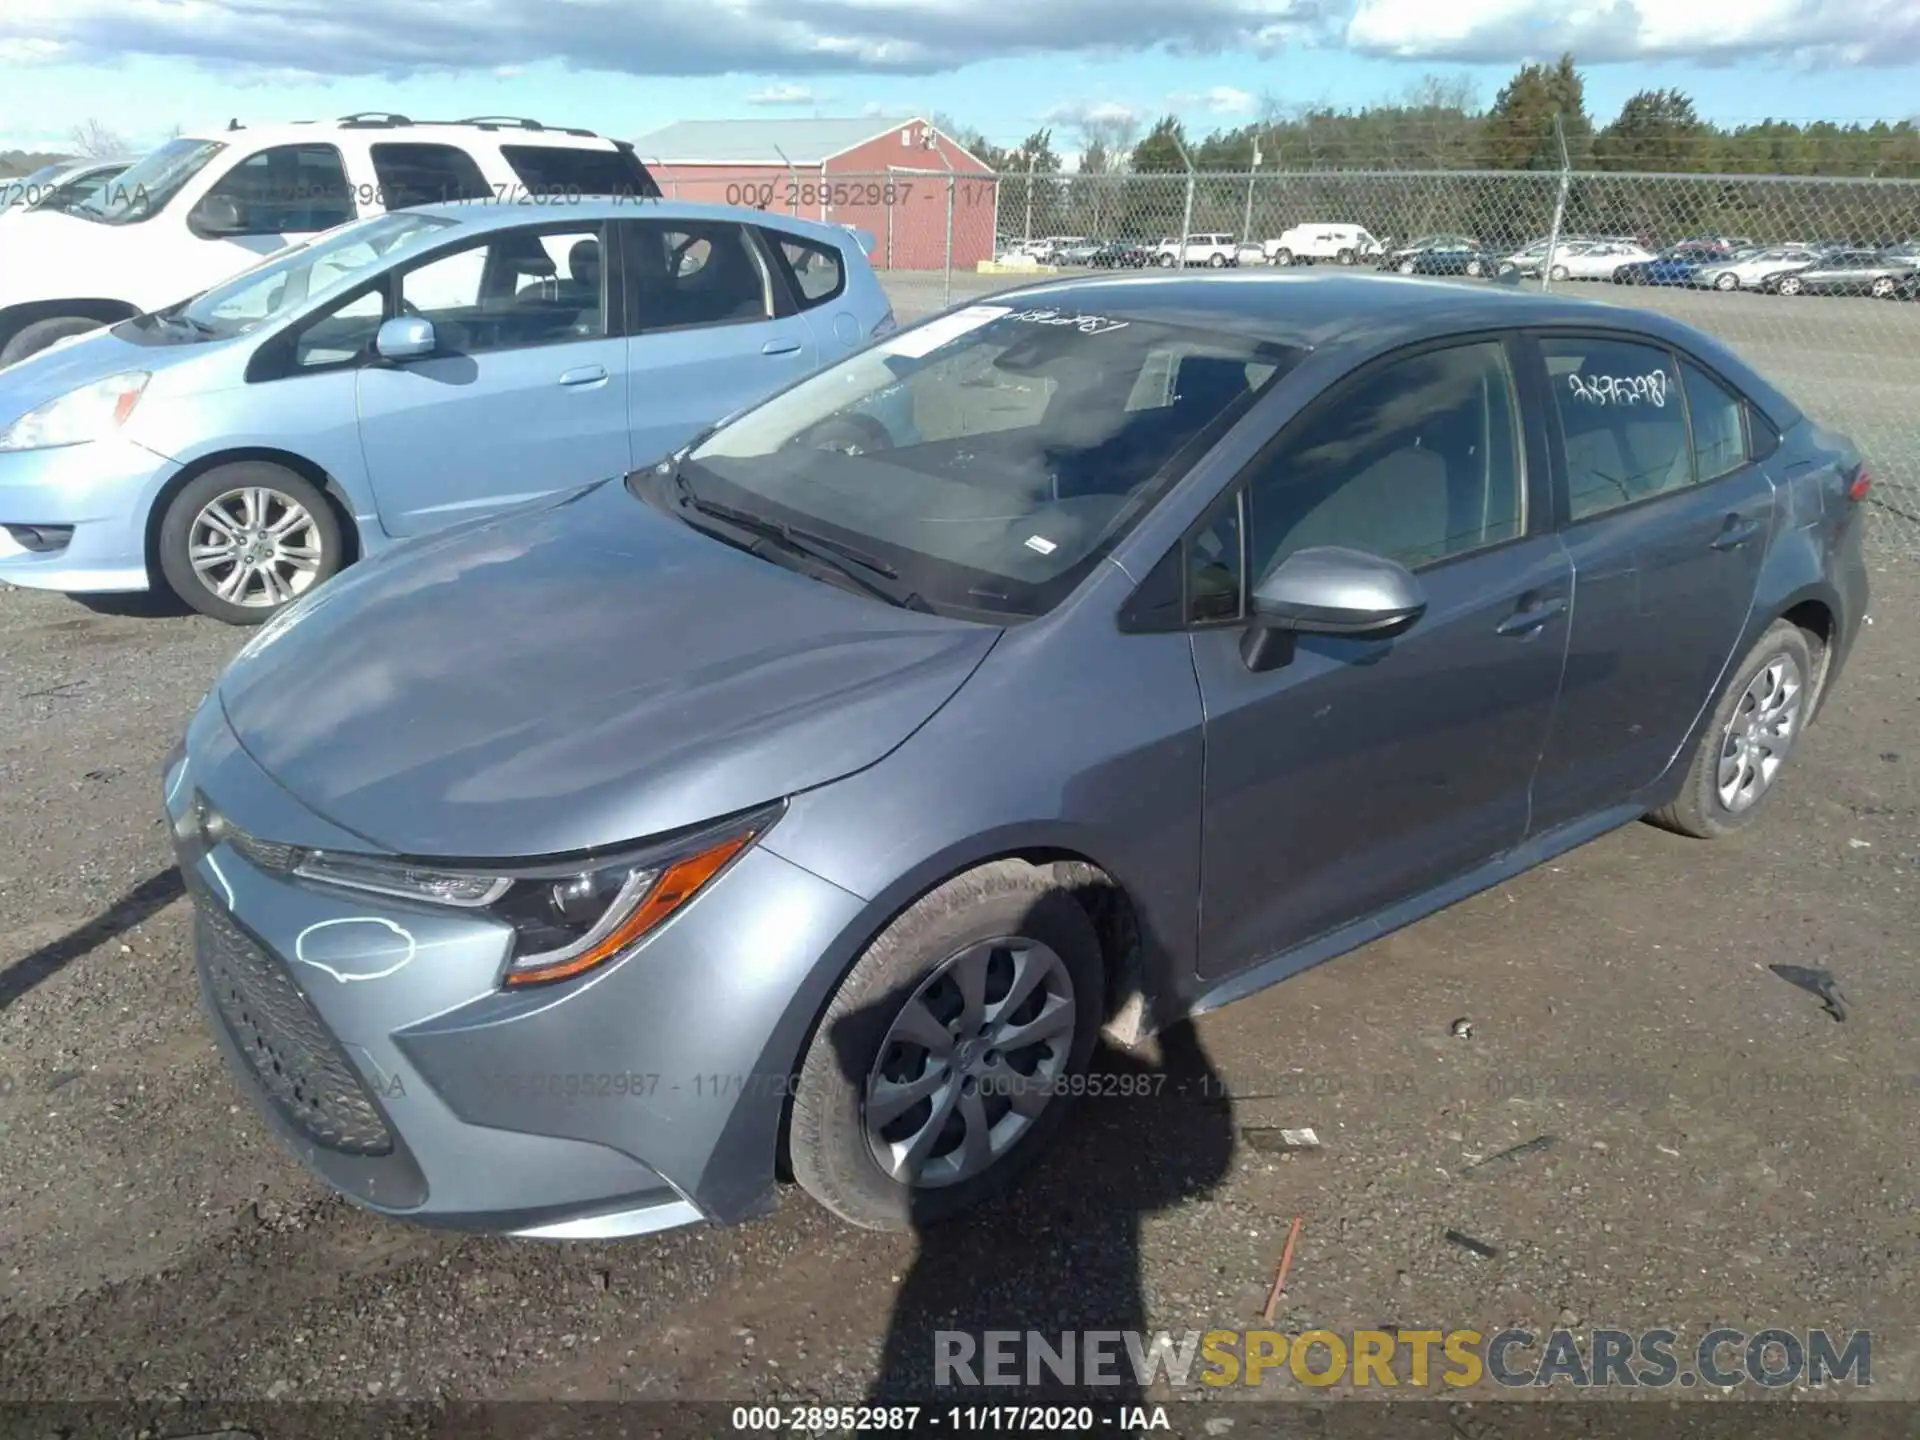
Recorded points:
(89, 413)
(567, 916)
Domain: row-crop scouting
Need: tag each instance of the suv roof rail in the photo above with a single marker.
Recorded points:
(374, 117)
(519, 122)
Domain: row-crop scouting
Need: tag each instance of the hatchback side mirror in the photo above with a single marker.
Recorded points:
(405, 337)
(1328, 590)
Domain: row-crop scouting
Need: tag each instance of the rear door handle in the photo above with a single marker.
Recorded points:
(1530, 618)
(585, 375)
(1736, 532)
(779, 347)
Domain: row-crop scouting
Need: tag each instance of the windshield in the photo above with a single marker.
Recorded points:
(77, 190)
(989, 457)
(293, 277)
(143, 189)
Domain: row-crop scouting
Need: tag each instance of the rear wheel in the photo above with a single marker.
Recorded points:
(1283, 256)
(1166, 262)
(1217, 261)
(1558, 272)
(945, 1060)
(1747, 740)
(1345, 257)
(243, 540)
(1789, 286)
(1726, 282)
(32, 339)
(1883, 287)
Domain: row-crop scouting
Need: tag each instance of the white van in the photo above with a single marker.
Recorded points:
(204, 207)
(1347, 244)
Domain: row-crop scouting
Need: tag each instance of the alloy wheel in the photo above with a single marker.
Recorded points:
(1760, 733)
(255, 547)
(970, 1062)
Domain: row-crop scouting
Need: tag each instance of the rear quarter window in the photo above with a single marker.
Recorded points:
(566, 171)
(816, 272)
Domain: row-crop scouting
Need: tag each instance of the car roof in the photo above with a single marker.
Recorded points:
(401, 130)
(1368, 314)
(479, 215)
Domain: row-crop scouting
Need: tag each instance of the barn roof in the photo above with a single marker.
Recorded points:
(764, 142)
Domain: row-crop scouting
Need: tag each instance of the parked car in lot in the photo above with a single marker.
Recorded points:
(1391, 258)
(1673, 266)
(1846, 272)
(202, 208)
(59, 187)
(1746, 269)
(1121, 255)
(1459, 257)
(734, 769)
(1211, 249)
(1078, 255)
(1595, 260)
(1342, 244)
(398, 375)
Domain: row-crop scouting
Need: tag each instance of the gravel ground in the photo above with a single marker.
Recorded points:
(1724, 1152)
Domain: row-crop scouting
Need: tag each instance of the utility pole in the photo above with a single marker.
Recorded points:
(1246, 220)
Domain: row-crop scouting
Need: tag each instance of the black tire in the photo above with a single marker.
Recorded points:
(32, 339)
(1558, 272)
(1725, 282)
(1217, 261)
(1407, 267)
(827, 1139)
(176, 534)
(1282, 256)
(1698, 810)
(1345, 257)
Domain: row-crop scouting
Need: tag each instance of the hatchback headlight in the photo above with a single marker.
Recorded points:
(90, 413)
(567, 916)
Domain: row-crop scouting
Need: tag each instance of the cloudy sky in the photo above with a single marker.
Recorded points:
(138, 67)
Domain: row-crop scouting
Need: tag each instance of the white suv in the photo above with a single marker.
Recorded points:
(204, 207)
(1347, 244)
(1214, 250)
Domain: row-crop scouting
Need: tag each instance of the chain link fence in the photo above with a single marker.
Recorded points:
(1815, 280)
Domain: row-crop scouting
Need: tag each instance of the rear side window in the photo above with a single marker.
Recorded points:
(566, 172)
(818, 271)
(1623, 422)
(1719, 437)
(427, 175)
(683, 273)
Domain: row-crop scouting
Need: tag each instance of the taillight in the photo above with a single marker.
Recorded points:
(1862, 483)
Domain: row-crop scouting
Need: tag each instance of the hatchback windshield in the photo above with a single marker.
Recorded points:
(988, 459)
(293, 277)
(143, 189)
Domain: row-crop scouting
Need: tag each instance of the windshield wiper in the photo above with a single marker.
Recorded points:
(821, 549)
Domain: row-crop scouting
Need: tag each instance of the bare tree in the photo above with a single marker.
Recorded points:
(1110, 137)
(94, 141)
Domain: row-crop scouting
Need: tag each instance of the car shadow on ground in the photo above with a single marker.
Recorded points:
(1060, 1254)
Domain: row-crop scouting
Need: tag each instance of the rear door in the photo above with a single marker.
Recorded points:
(1666, 521)
(814, 275)
(711, 328)
(527, 392)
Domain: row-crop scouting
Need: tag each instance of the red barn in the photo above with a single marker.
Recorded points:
(888, 177)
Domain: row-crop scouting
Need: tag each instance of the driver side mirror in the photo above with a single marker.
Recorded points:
(1328, 590)
(405, 337)
(215, 217)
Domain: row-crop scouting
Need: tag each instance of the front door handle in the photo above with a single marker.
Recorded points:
(779, 347)
(585, 375)
(1736, 532)
(1529, 618)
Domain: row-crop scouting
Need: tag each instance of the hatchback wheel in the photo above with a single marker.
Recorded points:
(245, 539)
(1746, 742)
(948, 1054)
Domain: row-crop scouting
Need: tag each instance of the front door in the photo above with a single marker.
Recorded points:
(1365, 771)
(526, 394)
(711, 329)
(1667, 525)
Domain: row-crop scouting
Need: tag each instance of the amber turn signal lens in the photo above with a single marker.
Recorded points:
(677, 884)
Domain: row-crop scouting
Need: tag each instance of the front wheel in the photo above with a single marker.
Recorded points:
(245, 539)
(1475, 269)
(1406, 267)
(1218, 262)
(1883, 288)
(32, 339)
(948, 1055)
(1345, 257)
(1726, 282)
(1558, 272)
(1166, 262)
(1747, 740)
(1283, 256)
(1788, 286)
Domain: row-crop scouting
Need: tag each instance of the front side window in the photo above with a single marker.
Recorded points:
(1623, 421)
(518, 288)
(288, 190)
(683, 273)
(1417, 461)
(427, 175)
(143, 190)
(1002, 452)
(289, 280)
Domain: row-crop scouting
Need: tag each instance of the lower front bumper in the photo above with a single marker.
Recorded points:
(101, 493)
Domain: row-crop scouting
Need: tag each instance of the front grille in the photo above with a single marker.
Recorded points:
(285, 1042)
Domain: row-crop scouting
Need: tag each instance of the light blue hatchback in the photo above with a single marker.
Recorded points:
(397, 375)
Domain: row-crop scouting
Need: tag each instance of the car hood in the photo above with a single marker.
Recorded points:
(67, 365)
(578, 675)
